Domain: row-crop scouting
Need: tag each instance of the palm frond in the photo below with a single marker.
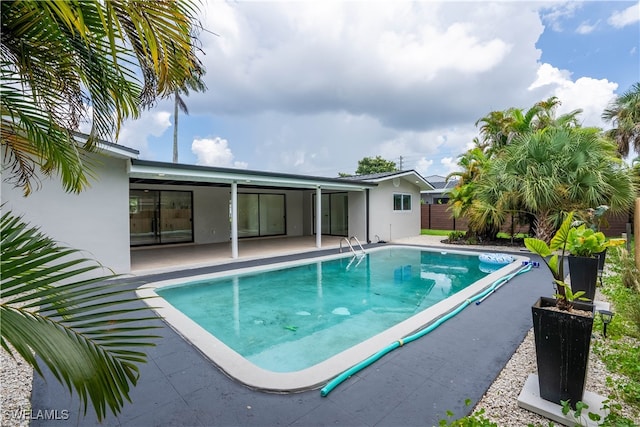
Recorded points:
(81, 326)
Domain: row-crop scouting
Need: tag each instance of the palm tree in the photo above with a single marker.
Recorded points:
(500, 128)
(496, 129)
(624, 114)
(195, 83)
(551, 171)
(64, 62)
(546, 115)
(462, 196)
(78, 329)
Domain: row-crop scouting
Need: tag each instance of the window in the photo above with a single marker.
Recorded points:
(402, 202)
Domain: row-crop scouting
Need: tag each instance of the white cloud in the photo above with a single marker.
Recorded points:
(424, 167)
(549, 75)
(590, 95)
(135, 133)
(215, 152)
(629, 16)
(555, 13)
(313, 87)
(586, 28)
(388, 60)
(450, 164)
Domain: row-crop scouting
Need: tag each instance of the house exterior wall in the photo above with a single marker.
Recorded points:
(358, 215)
(386, 223)
(96, 220)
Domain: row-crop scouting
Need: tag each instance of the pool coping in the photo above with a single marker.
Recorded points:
(316, 376)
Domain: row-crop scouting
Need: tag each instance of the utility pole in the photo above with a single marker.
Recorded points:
(400, 162)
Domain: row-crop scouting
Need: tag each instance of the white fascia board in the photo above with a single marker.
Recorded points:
(114, 150)
(411, 176)
(108, 148)
(174, 174)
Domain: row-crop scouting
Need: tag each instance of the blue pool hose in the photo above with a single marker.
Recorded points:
(399, 343)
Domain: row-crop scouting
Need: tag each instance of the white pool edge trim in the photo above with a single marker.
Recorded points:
(239, 368)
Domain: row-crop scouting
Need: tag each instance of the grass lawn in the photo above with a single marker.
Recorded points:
(428, 232)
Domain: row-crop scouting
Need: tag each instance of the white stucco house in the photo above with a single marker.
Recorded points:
(135, 203)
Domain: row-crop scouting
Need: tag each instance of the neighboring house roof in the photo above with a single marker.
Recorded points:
(146, 171)
(440, 184)
(410, 175)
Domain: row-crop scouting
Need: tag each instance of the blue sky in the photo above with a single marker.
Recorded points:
(312, 87)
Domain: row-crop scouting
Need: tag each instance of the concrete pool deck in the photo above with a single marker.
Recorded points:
(412, 386)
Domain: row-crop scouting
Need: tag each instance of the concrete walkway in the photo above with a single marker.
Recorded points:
(412, 386)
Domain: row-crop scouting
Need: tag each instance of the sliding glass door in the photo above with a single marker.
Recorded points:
(261, 215)
(159, 217)
(335, 214)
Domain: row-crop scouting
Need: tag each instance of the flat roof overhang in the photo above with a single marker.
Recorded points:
(145, 171)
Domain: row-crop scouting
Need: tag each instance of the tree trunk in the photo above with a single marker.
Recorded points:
(175, 127)
(544, 227)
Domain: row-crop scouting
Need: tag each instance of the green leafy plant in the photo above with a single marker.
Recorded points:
(81, 328)
(477, 419)
(553, 255)
(584, 241)
(629, 273)
(455, 236)
(577, 413)
(569, 295)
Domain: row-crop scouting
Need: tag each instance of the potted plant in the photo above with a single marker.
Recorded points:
(561, 325)
(583, 245)
(587, 249)
(594, 219)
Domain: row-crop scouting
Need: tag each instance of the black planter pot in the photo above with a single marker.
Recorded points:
(601, 259)
(562, 350)
(584, 275)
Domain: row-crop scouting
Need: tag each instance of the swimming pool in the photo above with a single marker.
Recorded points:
(293, 326)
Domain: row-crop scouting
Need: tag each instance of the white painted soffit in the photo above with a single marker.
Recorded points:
(252, 178)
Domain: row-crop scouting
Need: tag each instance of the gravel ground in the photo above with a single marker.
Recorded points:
(499, 402)
(16, 377)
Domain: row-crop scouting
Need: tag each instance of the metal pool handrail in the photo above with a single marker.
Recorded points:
(348, 240)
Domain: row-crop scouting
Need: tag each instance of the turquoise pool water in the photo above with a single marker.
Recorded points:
(290, 319)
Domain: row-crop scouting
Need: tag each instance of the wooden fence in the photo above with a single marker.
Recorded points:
(438, 217)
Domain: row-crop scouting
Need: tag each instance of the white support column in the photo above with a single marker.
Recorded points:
(234, 220)
(318, 217)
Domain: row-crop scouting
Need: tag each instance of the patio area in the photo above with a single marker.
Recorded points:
(158, 259)
(414, 385)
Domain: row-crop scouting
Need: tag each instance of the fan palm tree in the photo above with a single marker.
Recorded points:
(64, 62)
(624, 114)
(552, 171)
